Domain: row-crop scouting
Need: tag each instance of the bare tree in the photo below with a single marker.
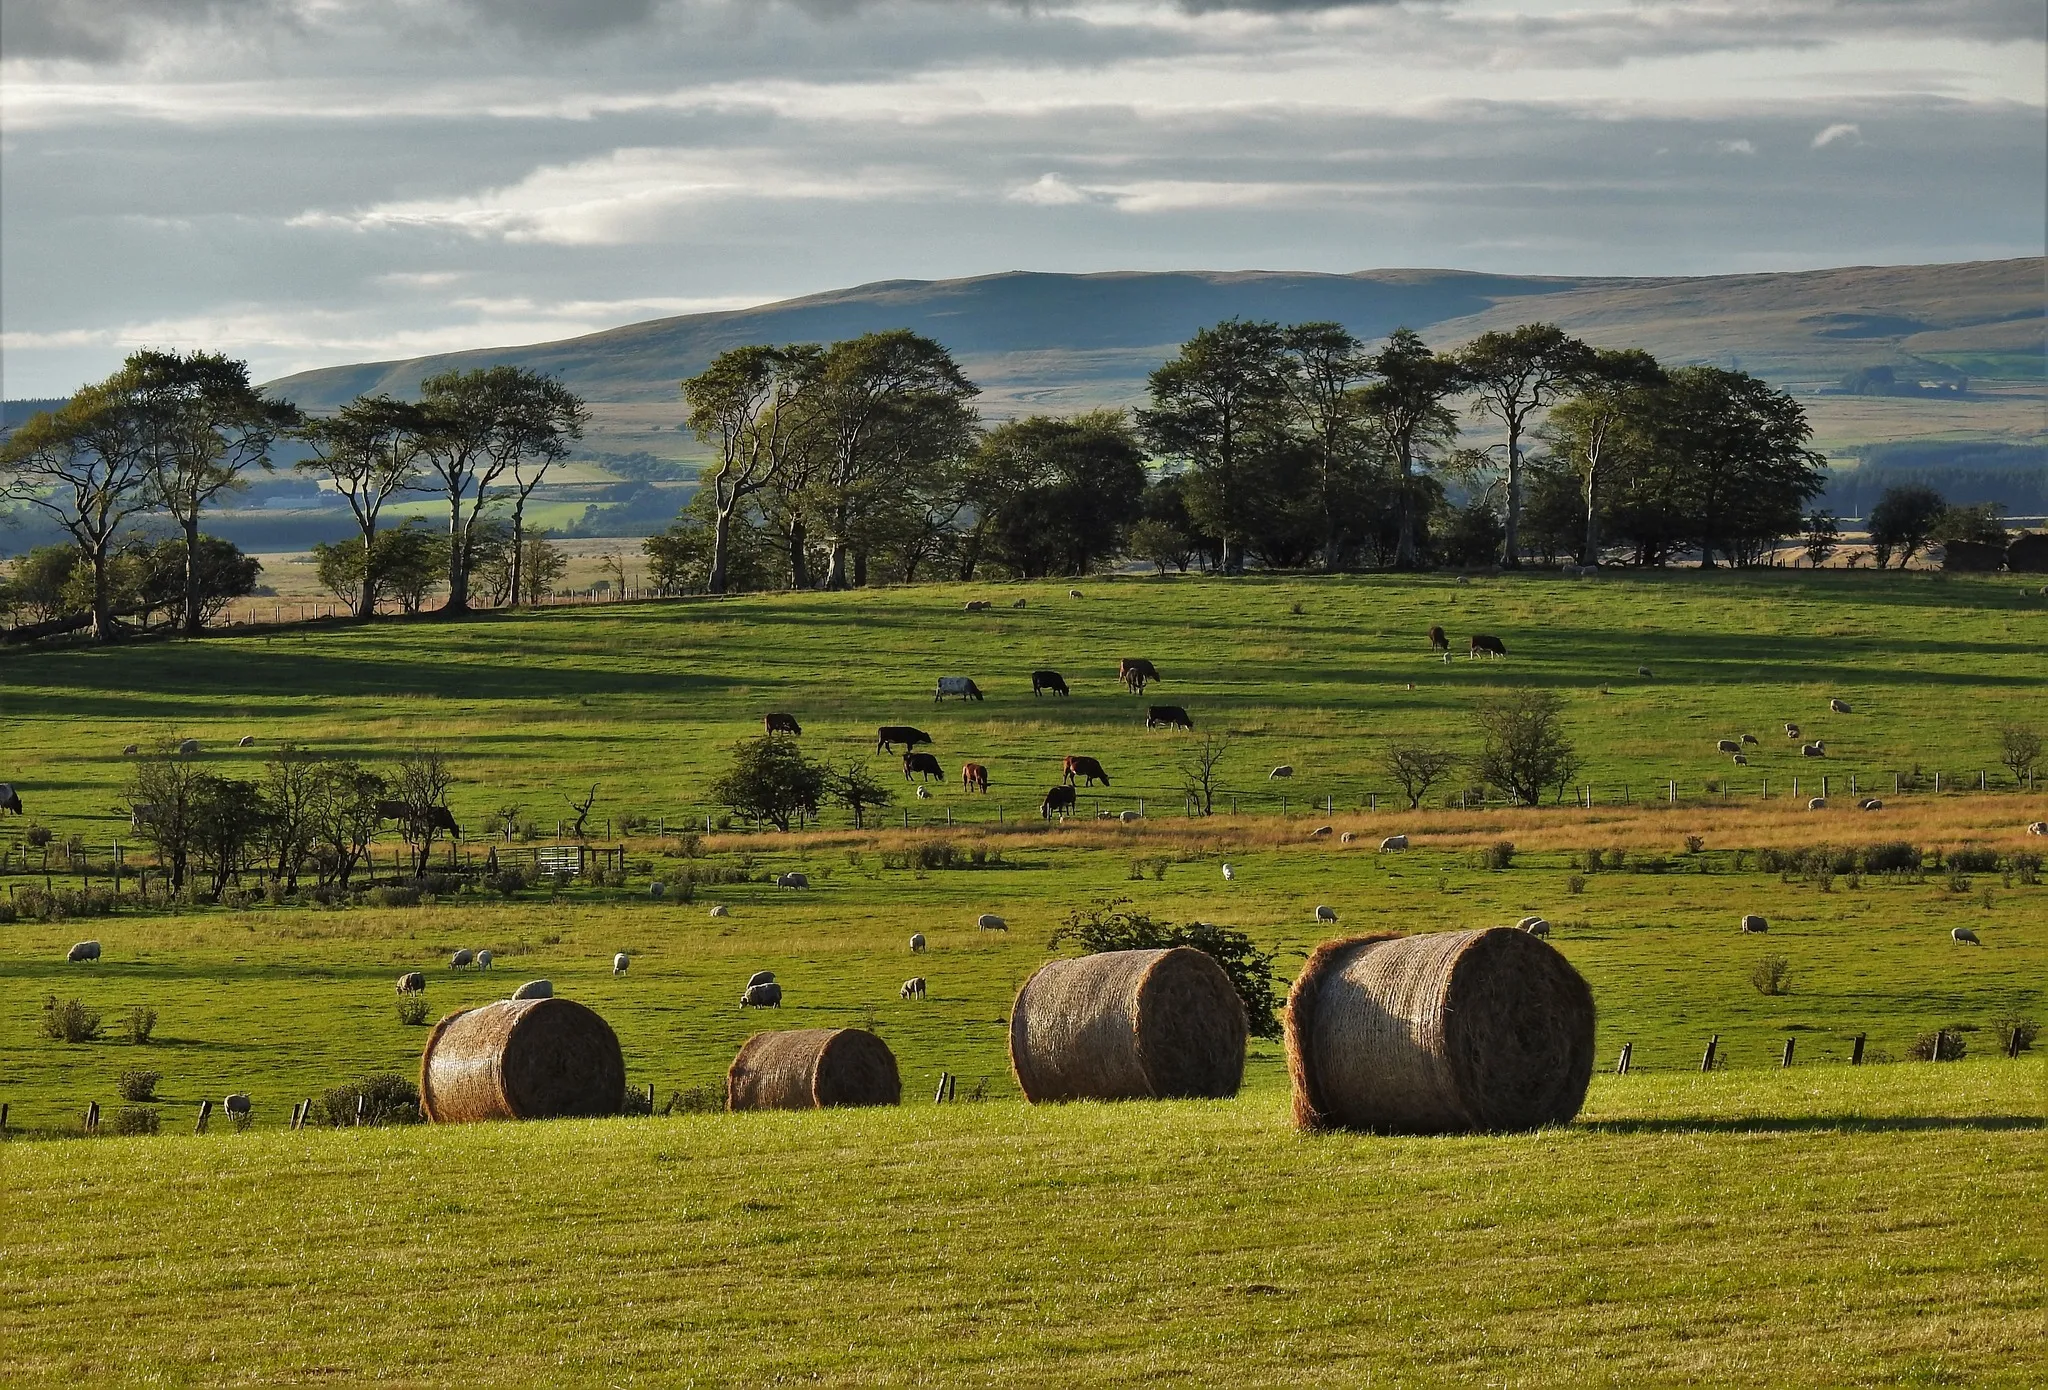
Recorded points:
(289, 792)
(858, 790)
(1418, 769)
(2019, 748)
(424, 777)
(1524, 746)
(1201, 771)
(582, 810)
(345, 813)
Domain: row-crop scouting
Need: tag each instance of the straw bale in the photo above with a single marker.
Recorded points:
(1128, 1025)
(811, 1068)
(521, 1059)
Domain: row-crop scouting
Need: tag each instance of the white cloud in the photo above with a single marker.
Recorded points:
(1049, 191)
(1735, 146)
(1840, 130)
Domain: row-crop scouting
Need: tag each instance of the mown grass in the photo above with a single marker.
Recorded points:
(1818, 1227)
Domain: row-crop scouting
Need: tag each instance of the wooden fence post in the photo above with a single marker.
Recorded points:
(1856, 1052)
(1707, 1060)
(1786, 1061)
(1627, 1051)
(939, 1096)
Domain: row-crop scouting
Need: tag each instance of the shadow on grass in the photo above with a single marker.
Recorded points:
(1801, 1124)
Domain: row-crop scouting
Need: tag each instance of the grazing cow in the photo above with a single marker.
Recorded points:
(1326, 914)
(83, 951)
(461, 959)
(140, 815)
(1749, 738)
(915, 763)
(483, 960)
(973, 777)
(1393, 842)
(238, 1105)
(1812, 750)
(1729, 745)
(10, 799)
(620, 962)
(793, 879)
(412, 819)
(779, 723)
(1283, 771)
(1754, 925)
(2039, 827)
(1018, 604)
(768, 996)
(1438, 641)
(1060, 799)
(1135, 671)
(535, 989)
(1073, 593)
(1347, 837)
(1839, 706)
(412, 982)
(1086, 769)
(246, 741)
(889, 735)
(988, 921)
(189, 747)
(761, 977)
(1168, 717)
(917, 943)
(956, 685)
(1485, 642)
(913, 988)
(1042, 681)
(1965, 936)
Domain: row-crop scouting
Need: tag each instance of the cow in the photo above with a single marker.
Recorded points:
(956, 685)
(780, 723)
(414, 818)
(916, 942)
(1729, 745)
(913, 988)
(889, 735)
(1088, 769)
(1754, 925)
(10, 799)
(1135, 671)
(973, 777)
(1060, 799)
(978, 605)
(768, 996)
(795, 878)
(1964, 936)
(1326, 914)
(1438, 642)
(140, 815)
(1284, 770)
(925, 763)
(1042, 681)
(1812, 750)
(1168, 717)
(1485, 642)
(412, 982)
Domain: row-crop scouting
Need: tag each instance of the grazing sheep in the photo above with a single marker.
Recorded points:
(917, 943)
(768, 996)
(1749, 738)
(923, 793)
(1321, 831)
(246, 741)
(978, 605)
(1728, 745)
(483, 960)
(461, 959)
(1393, 842)
(1073, 593)
(188, 747)
(1754, 925)
(761, 977)
(1347, 837)
(131, 750)
(2039, 827)
(412, 982)
(988, 921)
(1325, 914)
(1966, 936)
(1018, 604)
(1818, 803)
(535, 989)
(1740, 760)
(1129, 817)
(657, 889)
(237, 1104)
(793, 879)
(1643, 671)
(913, 988)
(1812, 750)
(1839, 706)
(1791, 731)
(83, 951)
(1228, 874)
(719, 910)
(1535, 926)
(1870, 803)
(1284, 770)
(620, 962)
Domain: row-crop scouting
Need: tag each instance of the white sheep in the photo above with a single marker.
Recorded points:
(535, 989)
(916, 942)
(768, 996)
(1393, 842)
(793, 879)
(1753, 924)
(620, 962)
(913, 988)
(1321, 831)
(246, 741)
(483, 960)
(461, 959)
(1325, 914)
(188, 747)
(1817, 803)
(1966, 936)
(719, 910)
(1228, 873)
(412, 982)
(1535, 926)
(1284, 770)
(761, 977)
(988, 921)
(83, 951)
(1347, 837)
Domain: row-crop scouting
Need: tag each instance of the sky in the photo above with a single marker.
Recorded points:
(309, 182)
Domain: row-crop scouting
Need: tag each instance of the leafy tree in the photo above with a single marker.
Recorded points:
(1112, 925)
(410, 560)
(1161, 544)
(164, 795)
(1473, 536)
(344, 817)
(1982, 523)
(1903, 522)
(1514, 374)
(1823, 537)
(225, 574)
(228, 820)
(1058, 496)
(679, 557)
(1523, 744)
(1166, 502)
(752, 404)
(857, 789)
(770, 779)
(1606, 406)
(290, 791)
(370, 450)
(1417, 768)
(1323, 370)
(421, 786)
(1406, 407)
(43, 581)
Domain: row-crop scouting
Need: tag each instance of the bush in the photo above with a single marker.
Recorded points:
(1771, 975)
(1891, 857)
(1616, 858)
(2028, 867)
(1695, 843)
(1110, 926)
(1575, 884)
(509, 881)
(1496, 856)
(1973, 859)
(1590, 861)
(393, 895)
(1942, 1045)
(389, 1099)
(2015, 1034)
(138, 1083)
(707, 1099)
(69, 1021)
(138, 1023)
(412, 1010)
(440, 885)
(1649, 864)
(137, 1119)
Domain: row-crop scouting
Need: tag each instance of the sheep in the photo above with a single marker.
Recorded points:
(237, 1104)
(922, 793)
(188, 747)
(1535, 926)
(1073, 593)
(1754, 925)
(1812, 750)
(1393, 842)
(988, 921)
(1129, 817)
(1728, 745)
(719, 910)
(246, 741)
(978, 605)
(2039, 827)
(1322, 830)
(1817, 803)
(768, 996)
(793, 879)
(1740, 760)
(620, 962)
(1749, 738)
(535, 989)
(483, 960)
(1228, 873)
(1347, 837)
(1838, 706)
(1018, 604)
(1643, 671)
(1284, 770)
(1870, 803)
(657, 889)
(83, 951)
(1965, 936)
(917, 943)
(461, 959)
(1791, 731)
(412, 982)
(913, 988)
(761, 977)
(131, 750)
(1325, 914)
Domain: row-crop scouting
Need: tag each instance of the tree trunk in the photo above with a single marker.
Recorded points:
(799, 559)
(518, 548)
(835, 572)
(192, 614)
(102, 608)
(1404, 554)
(1589, 554)
(1510, 545)
(860, 569)
(366, 608)
(721, 536)
(458, 560)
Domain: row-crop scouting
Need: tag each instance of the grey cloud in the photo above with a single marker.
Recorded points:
(102, 31)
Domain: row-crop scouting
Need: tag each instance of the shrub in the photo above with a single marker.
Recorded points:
(412, 1009)
(1695, 843)
(509, 881)
(636, 1102)
(1891, 857)
(1840, 861)
(1958, 881)
(1942, 1045)
(1575, 884)
(1771, 975)
(1973, 859)
(1773, 861)
(1496, 856)
(388, 1099)
(440, 885)
(1650, 864)
(138, 1023)
(2028, 867)
(1591, 861)
(69, 1021)
(393, 895)
(236, 899)
(138, 1083)
(1616, 858)
(137, 1119)
(1111, 926)
(38, 836)
(707, 1099)
(2015, 1034)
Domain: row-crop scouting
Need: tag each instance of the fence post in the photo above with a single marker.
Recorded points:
(1141, 808)
(939, 1096)
(1707, 1059)
(205, 1112)
(1786, 1061)
(1824, 786)
(1795, 788)
(1621, 1067)
(1372, 801)
(1895, 784)
(1856, 1052)
(1980, 779)
(1852, 784)
(362, 1107)
(650, 1097)
(1937, 781)
(92, 1116)
(1674, 792)
(1767, 789)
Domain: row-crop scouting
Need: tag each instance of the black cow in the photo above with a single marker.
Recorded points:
(1438, 642)
(889, 735)
(1134, 672)
(1168, 717)
(914, 763)
(1060, 799)
(10, 799)
(1042, 681)
(1492, 646)
(781, 724)
(416, 817)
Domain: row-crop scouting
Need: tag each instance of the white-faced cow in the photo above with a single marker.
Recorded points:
(1487, 644)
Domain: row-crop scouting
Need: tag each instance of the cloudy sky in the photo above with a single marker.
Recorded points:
(304, 182)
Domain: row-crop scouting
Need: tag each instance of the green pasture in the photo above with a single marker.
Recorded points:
(646, 700)
(1820, 1227)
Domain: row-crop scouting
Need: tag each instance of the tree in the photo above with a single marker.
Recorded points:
(344, 817)
(370, 451)
(84, 466)
(410, 560)
(228, 819)
(1112, 926)
(1903, 521)
(224, 575)
(1218, 406)
(1417, 769)
(1324, 368)
(1982, 523)
(290, 782)
(1161, 544)
(421, 786)
(203, 427)
(2019, 748)
(541, 417)
(1057, 496)
(43, 581)
(163, 798)
(1201, 772)
(1523, 745)
(1732, 453)
(751, 404)
(1607, 400)
(770, 779)
(1823, 537)
(1406, 406)
(857, 789)
(1516, 373)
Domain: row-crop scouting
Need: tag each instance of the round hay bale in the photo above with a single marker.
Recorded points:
(1446, 1032)
(812, 1068)
(521, 1059)
(1128, 1025)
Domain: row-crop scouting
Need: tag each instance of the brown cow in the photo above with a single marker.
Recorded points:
(1085, 768)
(1492, 646)
(781, 724)
(925, 763)
(1060, 799)
(973, 777)
(1134, 672)
(1438, 642)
